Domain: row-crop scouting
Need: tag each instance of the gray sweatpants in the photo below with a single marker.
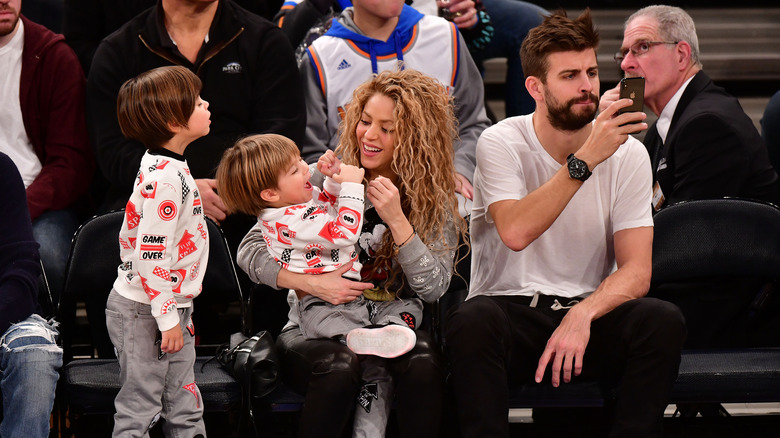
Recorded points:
(152, 385)
(320, 319)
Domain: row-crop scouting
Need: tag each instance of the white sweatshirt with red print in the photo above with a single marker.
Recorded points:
(320, 235)
(164, 242)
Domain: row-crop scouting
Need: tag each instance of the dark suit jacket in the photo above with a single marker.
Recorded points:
(712, 149)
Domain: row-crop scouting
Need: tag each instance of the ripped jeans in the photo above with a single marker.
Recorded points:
(29, 362)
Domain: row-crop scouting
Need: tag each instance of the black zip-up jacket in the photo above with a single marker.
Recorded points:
(86, 22)
(19, 268)
(250, 80)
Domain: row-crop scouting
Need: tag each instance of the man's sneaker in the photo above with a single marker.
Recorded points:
(388, 341)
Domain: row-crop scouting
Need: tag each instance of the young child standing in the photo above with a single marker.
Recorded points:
(312, 231)
(164, 251)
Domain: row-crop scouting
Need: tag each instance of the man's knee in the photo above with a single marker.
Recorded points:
(663, 312)
(663, 319)
(474, 322)
(31, 341)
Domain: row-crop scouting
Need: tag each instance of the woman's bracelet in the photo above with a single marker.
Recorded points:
(397, 247)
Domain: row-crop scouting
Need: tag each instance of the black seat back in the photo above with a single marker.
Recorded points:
(719, 261)
(719, 237)
(92, 269)
(89, 277)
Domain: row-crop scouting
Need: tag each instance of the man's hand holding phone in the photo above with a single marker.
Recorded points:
(628, 88)
(634, 89)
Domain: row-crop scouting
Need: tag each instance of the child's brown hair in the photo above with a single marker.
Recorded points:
(151, 102)
(250, 166)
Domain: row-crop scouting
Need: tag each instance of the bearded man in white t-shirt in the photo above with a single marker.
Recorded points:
(562, 238)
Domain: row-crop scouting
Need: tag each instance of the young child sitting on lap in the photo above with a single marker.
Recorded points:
(164, 247)
(312, 231)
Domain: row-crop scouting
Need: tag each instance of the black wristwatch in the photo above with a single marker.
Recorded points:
(578, 169)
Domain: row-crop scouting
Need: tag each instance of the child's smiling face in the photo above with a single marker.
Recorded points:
(293, 186)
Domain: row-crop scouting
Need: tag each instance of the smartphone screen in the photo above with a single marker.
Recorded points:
(634, 89)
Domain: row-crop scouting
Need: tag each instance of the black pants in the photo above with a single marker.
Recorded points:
(495, 343)
(329, 374)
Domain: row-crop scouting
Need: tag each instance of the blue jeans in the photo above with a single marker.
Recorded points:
(53, 230)
(29, 364)
(770, 130)
(512, 19)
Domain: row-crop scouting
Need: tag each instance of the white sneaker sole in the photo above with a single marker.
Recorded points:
(388, 341)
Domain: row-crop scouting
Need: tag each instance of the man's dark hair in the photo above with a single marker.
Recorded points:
(557, 33)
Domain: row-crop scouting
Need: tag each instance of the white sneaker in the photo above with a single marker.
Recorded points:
(388, 341)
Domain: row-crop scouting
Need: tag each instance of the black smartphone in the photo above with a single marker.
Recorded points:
(634, 89)
(158, 344)
(446, 14)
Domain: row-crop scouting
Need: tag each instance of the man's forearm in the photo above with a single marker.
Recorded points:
(633, 251)
(615, 290)
(520, 222)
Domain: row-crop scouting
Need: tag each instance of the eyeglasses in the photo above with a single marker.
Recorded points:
(639, 48)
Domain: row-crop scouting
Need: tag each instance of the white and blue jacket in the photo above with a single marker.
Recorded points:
(344, 58)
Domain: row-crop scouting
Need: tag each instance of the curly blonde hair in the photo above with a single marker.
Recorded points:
(425, 129)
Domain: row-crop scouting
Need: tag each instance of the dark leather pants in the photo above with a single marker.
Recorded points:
(328, 373)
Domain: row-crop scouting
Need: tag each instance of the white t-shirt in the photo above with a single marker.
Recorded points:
(576, 253)
(13, 137)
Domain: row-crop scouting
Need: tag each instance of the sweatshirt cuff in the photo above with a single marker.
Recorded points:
(270, 272)
(352, 189)
(167, 321)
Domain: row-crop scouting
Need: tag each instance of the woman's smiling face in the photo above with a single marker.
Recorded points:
(376, 135)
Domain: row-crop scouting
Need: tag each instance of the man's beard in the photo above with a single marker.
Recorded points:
(6, 27)
(562, 117)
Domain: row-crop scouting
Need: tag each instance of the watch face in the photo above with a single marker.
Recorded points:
(578, 169)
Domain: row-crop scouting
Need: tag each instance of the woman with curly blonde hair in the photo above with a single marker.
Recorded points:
(399, 128)
(419, 164)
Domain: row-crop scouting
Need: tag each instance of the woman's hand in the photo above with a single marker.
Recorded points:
(331, 287)
(463, 186)
(386, 199)
(329, 164)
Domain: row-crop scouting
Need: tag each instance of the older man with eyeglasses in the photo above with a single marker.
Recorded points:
(703, 145)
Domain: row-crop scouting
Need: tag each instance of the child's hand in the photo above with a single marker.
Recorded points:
(349, 173)
(172, 340)
(329, 164)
